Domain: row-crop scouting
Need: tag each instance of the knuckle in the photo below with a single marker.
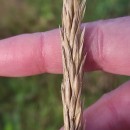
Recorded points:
(42, 55)
(100, 42)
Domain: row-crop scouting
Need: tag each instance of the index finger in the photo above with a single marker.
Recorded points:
(107, 44)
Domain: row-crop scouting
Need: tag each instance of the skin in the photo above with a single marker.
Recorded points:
(108, 47)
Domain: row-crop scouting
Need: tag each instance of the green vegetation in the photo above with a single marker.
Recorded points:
(34, 103)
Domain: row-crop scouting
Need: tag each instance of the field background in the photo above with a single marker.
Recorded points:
(34, 103)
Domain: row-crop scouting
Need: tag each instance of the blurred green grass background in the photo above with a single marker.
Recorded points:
(34, 103)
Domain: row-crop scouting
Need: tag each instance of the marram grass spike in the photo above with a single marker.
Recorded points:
(73, 60)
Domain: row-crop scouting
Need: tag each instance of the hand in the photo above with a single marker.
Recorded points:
(108, 46)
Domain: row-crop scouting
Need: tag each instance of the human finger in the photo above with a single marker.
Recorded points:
(111, 112)
(107, 44)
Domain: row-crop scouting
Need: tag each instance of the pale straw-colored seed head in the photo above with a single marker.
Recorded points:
(73, 60)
